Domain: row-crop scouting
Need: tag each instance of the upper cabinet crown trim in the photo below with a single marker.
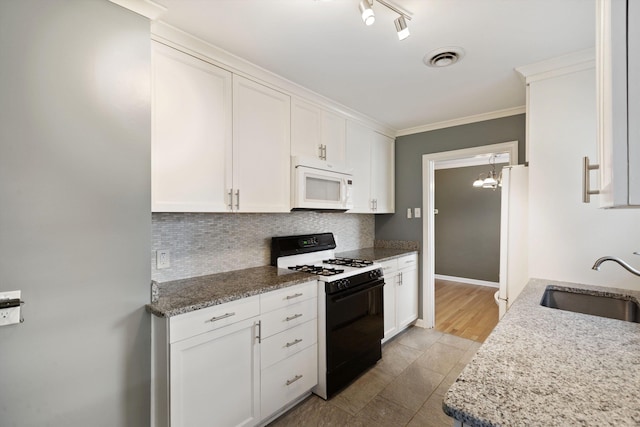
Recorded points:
(146, 8)
(554, 67)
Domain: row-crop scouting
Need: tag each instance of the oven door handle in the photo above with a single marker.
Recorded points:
(357, 291)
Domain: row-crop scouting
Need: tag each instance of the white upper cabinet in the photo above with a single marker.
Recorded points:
(191, 133)
(261, 143)
(618, 101)
(220, 142)
(316, 132)
(371, 156)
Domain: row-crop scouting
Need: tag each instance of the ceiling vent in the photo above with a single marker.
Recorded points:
(443, 57)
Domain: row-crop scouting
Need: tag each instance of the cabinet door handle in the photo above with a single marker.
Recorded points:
(320, 151)
(230, 199)
(295, 316)
(294, 379)
(294, 342)
(400, 279)
(224, 316)
(324, 152)
(259, 336)
(587, 192)
(294, 296)
(237, 200)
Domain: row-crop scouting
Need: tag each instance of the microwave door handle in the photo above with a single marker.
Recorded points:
(343, 183)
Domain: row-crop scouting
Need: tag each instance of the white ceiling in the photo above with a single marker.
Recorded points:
(324, 46)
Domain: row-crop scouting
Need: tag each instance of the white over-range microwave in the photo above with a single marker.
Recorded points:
(320, 185)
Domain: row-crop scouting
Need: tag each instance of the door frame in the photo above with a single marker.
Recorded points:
(428, 205)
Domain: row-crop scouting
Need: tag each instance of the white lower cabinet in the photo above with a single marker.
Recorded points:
(400, 294)
(235, 364)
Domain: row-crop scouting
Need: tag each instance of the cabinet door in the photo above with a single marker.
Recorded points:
(334, 136)
(359, 159)
(390, 323)
(382, 173)
(306, 129)
(407, 297)
(215, 378)
(261, 144)
(191, 133)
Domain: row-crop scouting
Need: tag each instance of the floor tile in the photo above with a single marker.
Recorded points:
(357, 395)
(413, 387)
(419, 338)
(314, 411)
(431, 415)
(455, 341)
(440, 357)
(387, 413)
(396, 357)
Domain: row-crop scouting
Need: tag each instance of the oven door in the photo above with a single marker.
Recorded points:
(355, 325)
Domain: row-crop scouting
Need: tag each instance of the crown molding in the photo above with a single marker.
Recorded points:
(146, 8)
(554, 67)
(464, 120)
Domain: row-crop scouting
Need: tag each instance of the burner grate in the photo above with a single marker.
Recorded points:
(317, 269)
(349, 262)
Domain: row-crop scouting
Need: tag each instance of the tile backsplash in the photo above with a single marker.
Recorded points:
(206, 243)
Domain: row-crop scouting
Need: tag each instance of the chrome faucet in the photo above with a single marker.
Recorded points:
(599, 261)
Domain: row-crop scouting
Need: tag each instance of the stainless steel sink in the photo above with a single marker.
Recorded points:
(612, 306)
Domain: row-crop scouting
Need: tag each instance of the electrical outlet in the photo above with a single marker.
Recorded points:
(163, 259)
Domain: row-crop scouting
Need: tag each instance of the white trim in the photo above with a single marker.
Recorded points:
(480, 160)
(464, 120)
(467, 281)
(554, 67)
(146, 8)
(420, 323)
(428, 205)
(185, 42)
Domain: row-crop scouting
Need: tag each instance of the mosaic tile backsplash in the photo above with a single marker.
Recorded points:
(205, 243)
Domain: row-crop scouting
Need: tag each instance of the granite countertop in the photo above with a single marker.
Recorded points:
(376, 254)
(547, 367)
(182, 296)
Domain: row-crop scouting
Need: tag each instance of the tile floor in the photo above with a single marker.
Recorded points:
(405, 388)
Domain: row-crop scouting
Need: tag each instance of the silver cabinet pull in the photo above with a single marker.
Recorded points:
(259, 336)
(294, 379)
(400, 279)
(224, 316)
(237, 200)
(294, 296)
(324, 152)
(320, 151)
(294, 342)
(295, 316)
(230, 193)
(587, 192)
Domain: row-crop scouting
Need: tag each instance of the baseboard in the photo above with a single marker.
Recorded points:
(468, 281)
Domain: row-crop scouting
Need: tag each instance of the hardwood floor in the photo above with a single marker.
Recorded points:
(467, 311)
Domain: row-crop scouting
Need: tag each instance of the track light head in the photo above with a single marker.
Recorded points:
(401, 28)
(368, 17)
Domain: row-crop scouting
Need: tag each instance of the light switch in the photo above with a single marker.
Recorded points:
(409, 213)
(418, 212)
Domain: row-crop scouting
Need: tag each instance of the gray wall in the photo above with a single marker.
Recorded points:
(408, 167)
(75, 227)
(467, 226)
(204, 243)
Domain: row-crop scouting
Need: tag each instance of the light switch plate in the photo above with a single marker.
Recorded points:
(418, 212)
(163, 259)
(409, 213)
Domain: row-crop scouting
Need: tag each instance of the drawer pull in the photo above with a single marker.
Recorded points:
(224, 316)
(294, 342)
(294, 379)
(295, 316)
(294, 296)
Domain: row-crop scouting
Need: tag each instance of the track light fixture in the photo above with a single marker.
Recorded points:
(369, 18)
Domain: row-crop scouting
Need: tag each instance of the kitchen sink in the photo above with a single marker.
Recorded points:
(612, 306)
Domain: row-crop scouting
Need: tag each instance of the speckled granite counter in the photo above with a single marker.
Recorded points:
(182, 296)
(375, 254)
(547, 367)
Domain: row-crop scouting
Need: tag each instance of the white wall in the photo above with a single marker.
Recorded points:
(566, 235)
(75, 220)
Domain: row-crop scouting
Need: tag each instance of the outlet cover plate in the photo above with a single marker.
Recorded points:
(163, 259)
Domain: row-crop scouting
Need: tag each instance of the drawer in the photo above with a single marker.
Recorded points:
(389, 267)
(408, 261)
(211, 318)
(287, 380)
(275, 300)
(288, 317)
(291, 341)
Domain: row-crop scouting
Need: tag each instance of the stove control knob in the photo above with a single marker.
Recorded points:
(374, 274)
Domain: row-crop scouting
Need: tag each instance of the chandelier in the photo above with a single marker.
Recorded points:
(490, 179)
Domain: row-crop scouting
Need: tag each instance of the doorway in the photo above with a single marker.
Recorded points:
(429, 165)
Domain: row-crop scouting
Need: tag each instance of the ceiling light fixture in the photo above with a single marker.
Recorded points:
(369, 18)
(492, 180)
(401, 28)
